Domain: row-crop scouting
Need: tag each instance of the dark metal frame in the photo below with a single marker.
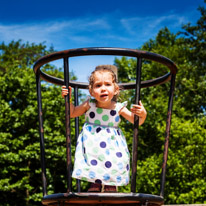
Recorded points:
(140, 55)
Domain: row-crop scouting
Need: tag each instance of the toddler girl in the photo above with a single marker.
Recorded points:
(101, 155)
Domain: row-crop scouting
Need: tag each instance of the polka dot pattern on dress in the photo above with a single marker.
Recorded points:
(92, 115)
(103, 144)
(101, 153)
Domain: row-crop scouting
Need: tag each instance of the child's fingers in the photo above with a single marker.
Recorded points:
(65, 87)
(136, 106)
(65, 91)
(135, 110)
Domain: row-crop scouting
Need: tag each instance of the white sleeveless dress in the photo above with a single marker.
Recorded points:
(101, 154)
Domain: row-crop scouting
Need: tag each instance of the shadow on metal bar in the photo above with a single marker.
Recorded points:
(82, 198)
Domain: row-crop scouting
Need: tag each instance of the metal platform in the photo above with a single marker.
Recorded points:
(102, 199)
(83, 198)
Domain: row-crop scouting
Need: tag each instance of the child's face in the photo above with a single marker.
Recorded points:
(103, 89)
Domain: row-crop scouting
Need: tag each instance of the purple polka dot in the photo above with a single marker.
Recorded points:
(127, 167)
(103, 144)
(98, 129)
(98, 181)
(119, 154)
(108, 164)
(113, 112)
(94, 162)
(108, 130)
(92, 114)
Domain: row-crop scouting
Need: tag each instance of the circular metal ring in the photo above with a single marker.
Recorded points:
(105, 51)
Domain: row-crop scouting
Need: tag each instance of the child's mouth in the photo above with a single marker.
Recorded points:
(103, 95)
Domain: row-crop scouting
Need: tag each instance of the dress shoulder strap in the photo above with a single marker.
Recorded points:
(92, 102)
(120, 105)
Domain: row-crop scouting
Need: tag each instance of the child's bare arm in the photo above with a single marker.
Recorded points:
(138, 110)
(75, 111)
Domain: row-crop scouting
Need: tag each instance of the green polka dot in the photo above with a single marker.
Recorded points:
(105, 117)
(86, 169)
(112, 137)
(95, 150)
(97, 121)
(101, 157)
(99, 170)
(99, 110)
(114, 172)
(90, 143)
(111, 124)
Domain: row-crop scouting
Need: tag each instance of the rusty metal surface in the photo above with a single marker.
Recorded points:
(106, 51)
(167, 134)
(117, 197)
(136, 126)
(103, 198)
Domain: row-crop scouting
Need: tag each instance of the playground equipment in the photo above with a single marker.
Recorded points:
(85, 198)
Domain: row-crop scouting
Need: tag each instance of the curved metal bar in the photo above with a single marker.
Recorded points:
(83, 85)
(104, 51)
(67, 121)
(41, 134)
(167, 134)
(136, 127)
(121, 199)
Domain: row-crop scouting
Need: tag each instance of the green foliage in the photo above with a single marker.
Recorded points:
(185, 178)
(20, 172)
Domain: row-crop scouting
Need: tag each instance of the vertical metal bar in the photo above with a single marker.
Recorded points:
(136, 126)
(67, 120)
(76, 102)
(41, 133)
(166, 144)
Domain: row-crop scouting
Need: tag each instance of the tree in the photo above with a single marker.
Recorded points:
(20, 182)
(185, 181)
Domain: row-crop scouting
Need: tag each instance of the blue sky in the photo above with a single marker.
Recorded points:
(67, 24)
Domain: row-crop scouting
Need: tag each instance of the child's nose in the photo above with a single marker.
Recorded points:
(103, 87)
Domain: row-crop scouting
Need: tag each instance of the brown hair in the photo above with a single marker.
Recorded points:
(105, 68)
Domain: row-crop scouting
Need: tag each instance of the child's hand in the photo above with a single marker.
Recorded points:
(65, 91)
(139, 110)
